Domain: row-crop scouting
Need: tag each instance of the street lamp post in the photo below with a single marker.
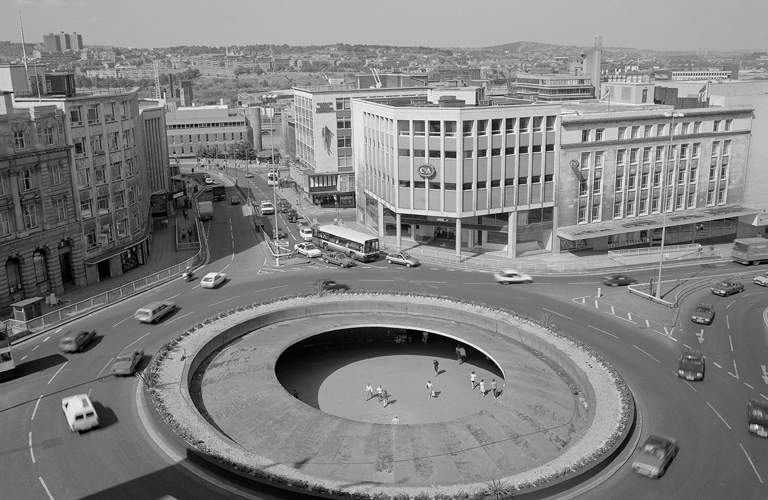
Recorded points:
(662, 197)
(270, 99)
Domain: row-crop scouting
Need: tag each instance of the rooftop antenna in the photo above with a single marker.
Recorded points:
(26, 66)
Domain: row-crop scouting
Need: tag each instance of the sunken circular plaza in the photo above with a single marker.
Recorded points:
(558, 408)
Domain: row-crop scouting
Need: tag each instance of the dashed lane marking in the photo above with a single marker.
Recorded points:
(554, 312)
(603, 331)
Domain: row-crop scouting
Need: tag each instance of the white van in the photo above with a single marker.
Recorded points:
(80, 413)
(154, 311)
(306, 233)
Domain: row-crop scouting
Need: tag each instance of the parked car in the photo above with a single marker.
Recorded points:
(331, 286)
(655, 455)
(79, 412)
(212, 280)
(126, 361)
(77, 342)
(235, 200)
(690, 365)
(404, 259)
(307, 250)
(761, 279)
(339, 259)
(727, 287)
(508, 276)
(618, 280)
(703, 313)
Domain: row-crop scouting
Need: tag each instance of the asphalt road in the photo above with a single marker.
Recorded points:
(121, 460)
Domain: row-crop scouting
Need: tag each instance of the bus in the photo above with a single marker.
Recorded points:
(360, 246)
(7, 367)
(272, 179)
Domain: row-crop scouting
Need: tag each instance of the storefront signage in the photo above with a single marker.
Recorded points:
(427, 171)
(324, 107)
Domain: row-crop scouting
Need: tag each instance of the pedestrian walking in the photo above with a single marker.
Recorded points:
(429, 388)
(458, 353)
(189, 232)
(368, 392)
(435, 365)
(395, 420)
(424, 336)
(385, 398)
(482, 387)
(493, 388)
(463, 354)
(472, 377)
(378, 392)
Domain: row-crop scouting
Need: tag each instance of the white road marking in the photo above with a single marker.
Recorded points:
(35, 348)
(129, 345)
(730, 341)
(25, 357)
(729, 305)
(46, 339)
(721, 418)
(126, 319)
(371, 281)
(271, 288)
(57, 372)
(763, 396)
(735, 373)
(105, 367)
(36, 405)
(647, 324)
(50, 497)
(613, 311)
(221, 302)
(597, 306)
(656, 360)
(58, 330)
(173, 297)
(749, 386)
(553, 312)
(689, 385)
(178, 317)
(433, 282)
(727, 322)
(31, 451)
(603, 331)
(484, 283)
(621, 318)
(629, 315)
(717, 365)
(752, 464)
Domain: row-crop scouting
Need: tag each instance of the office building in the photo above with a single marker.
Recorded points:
(551, 88)
(62, 42)
(190, 129)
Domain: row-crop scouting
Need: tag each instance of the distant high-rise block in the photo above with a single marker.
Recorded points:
(52, 43)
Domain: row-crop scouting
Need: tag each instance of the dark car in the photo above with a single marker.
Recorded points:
(727, 287)
(757, 417)
(283, 205)
(655, 455)
(126, 361)
(339, 259)
(331, 286)
(76, 343)
(235, 200)
(690, 365)
(703, 313)
(618, 280)
(291, 217)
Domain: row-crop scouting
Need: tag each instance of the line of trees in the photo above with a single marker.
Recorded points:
(239, 150)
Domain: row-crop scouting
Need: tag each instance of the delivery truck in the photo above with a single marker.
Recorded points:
(206, 210)
(219, 193)
(750, 250)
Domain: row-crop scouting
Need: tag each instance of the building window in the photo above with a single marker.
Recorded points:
(728, 125)
(109, 112)
(93, 114)
(643, 209)
(648, 131)
(716, 126)
(550, 123)
(635, 131)
(696, 127)
(344, 123)
(420, 153)
(681, 176)
(84, 177)
(403, 127)
(692, 199)
(617, 210)
(131, 195)
(90, 240)
(344, 141)
(6, 227)
(125, 110)
(434, 153)
(657, 178)
(583, 187)
(596, 212)
(599, 134)
(468, 124)
(435, 129)
(524, 121)
(644, 179)
(622, 132)
(129, 167)
(122, 228)
(100, 175)
(419, 128)
(127, 139)
(26, 180)
(509, 125)
(582, 214)
(30, 216)
(343, 103)
(48, 135)
(117, 170)
(482, 153)
(660, 130)
(3, 190)
(710, 197)
(345, 161)
(482, 127)
(597, 182)
(18, 139)
(450, 154)
(630, 208)
(75, 117)
(80, 147)
(685, 127)
(585, 135)
(537, 120)
(655, 206)
(96, 144)
(114, 142)
(55, 174)
(103, 202)
(496, 152)
(41, 268)
(119, 199)
(450, 129)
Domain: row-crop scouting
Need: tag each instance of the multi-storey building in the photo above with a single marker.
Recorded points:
(107, 158)
(625, 174)
(40, 236)
(191, 128)
(324, 146)
(463, 173)
(552, 88)
(61, 42)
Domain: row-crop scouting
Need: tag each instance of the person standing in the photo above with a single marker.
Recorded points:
(429, 388)
(463, 354)
(385, 398)
(395, 420)
(458, 353)
(368, 392)
(436, 365)
(424, 336)
(493, 388)
(482, 387)
(472, 378)
(378, 391)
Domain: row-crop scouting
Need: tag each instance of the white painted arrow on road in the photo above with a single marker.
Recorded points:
(765, 374)
(701, 336)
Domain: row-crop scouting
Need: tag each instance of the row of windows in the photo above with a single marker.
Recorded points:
(31, 216)
(28, 181)
(46, 134)
(103, 202)
(199, 137)
(472, 153)
(100, 173)
(495, 126)
(97, 143)
(92, 112)
(179, 126)
(469, 186)
(106, 232)
(659, 130)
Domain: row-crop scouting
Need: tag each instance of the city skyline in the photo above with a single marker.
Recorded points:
(682, 25)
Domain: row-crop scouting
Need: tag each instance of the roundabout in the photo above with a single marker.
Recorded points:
(561, 413)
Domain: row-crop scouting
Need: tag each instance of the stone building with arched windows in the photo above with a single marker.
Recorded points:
(40, 236)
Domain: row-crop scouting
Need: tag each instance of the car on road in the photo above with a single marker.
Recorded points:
(235, 200)
(212, 280)
(339, 259)
(77, 342)
(126, 361)
(727, 287)
(508, 276)
(618, 280)
(293, 218)
(761, 279)
(305, 232)
(690, 365)
(267, 208)
(757, 417)
(248, 175)
(655, 455)
(209, 181)
(308, 250)
(283, 205)
(402, 258)
(154, 311)
(331, 286)
(703, 313)
(79, 412)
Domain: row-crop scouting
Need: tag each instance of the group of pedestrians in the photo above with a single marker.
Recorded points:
(493, 389)
(380, 392)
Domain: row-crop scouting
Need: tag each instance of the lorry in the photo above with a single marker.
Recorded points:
(206, 210)
(219, 193)
(750, 250)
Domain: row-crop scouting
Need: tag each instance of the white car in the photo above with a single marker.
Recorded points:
(248, 175)
(208, 180)
(80, 413)
(761, 279)
(212, 280)
(267, 208)
(508, 276)
(308, 250)
(305, 232)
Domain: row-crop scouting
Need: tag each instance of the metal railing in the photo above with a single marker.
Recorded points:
(650, 254)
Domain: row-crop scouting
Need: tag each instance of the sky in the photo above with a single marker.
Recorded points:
(674, 25)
